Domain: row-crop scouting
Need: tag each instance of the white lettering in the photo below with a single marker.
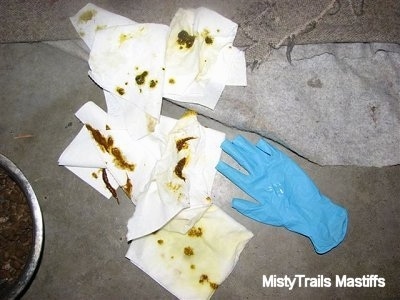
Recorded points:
(280, 282)
(381, 282)
(268, 281)
(291, 282)
(314, 282)
(369, 281)
(357, 282)
(300, 279)
(340, 282)
(327, 282)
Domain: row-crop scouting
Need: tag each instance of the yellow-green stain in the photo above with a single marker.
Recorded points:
(208, 40)
(87, 16)
(100, 27)
(120, 90)
(141, 78)
(124, 37)
(188, 251)
(153, 83)
(185, 39)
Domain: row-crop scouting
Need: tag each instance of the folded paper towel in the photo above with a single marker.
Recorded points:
(82, 158)
(182, 178)
(91, 18)
(166, 166)
(163, 172)
(172, 229)
(200, 58)
(129, 161)
(192, 265)
(128, 61)
(126, 115)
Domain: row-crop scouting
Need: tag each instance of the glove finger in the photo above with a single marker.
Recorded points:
(244, 206)
(242, 151)
(266, 147)
(302, 178)
(257, 212)
(232, 174)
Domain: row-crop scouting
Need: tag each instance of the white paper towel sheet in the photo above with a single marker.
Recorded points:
(192, 265)
(129, 161)
(165, 166)
(148, 168)
(182, 178)
(129, 62)
(90, 19)
(126, 115)
(178, 230)
(200, 58)
(196, 51)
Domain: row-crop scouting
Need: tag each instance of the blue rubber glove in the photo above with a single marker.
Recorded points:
(285, 195)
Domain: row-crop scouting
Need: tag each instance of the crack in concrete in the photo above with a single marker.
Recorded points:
(341, 57)
(314, 56)
(257, 133)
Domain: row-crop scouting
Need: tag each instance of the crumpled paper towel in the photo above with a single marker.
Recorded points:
(99, 146)
(128, 61)
(200, 58)
(135, 62)
(166, 166)
(182, 178)
(172, 229)
(163, 172)
(199, 245)
(123, 57)
(90, 19)
(82, 158)
(122, 112)
(192, 265)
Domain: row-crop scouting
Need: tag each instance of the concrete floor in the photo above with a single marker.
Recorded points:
(84, 249)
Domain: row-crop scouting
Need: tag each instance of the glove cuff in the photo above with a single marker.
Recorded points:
(331, 228)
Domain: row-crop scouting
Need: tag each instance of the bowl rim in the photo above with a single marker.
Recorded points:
(25, 278)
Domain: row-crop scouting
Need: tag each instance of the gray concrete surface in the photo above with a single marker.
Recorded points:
(335, 104)
(83, 257)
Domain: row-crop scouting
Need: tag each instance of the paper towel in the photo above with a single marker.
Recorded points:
(182, 178)
(129, 62)
(130, 162)
(200, 57)
(192, 265)
(90, 19)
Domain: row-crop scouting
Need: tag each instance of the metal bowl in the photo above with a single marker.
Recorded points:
(21, 284)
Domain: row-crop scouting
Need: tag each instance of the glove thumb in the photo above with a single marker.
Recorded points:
(248, 208)
(257, 212)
